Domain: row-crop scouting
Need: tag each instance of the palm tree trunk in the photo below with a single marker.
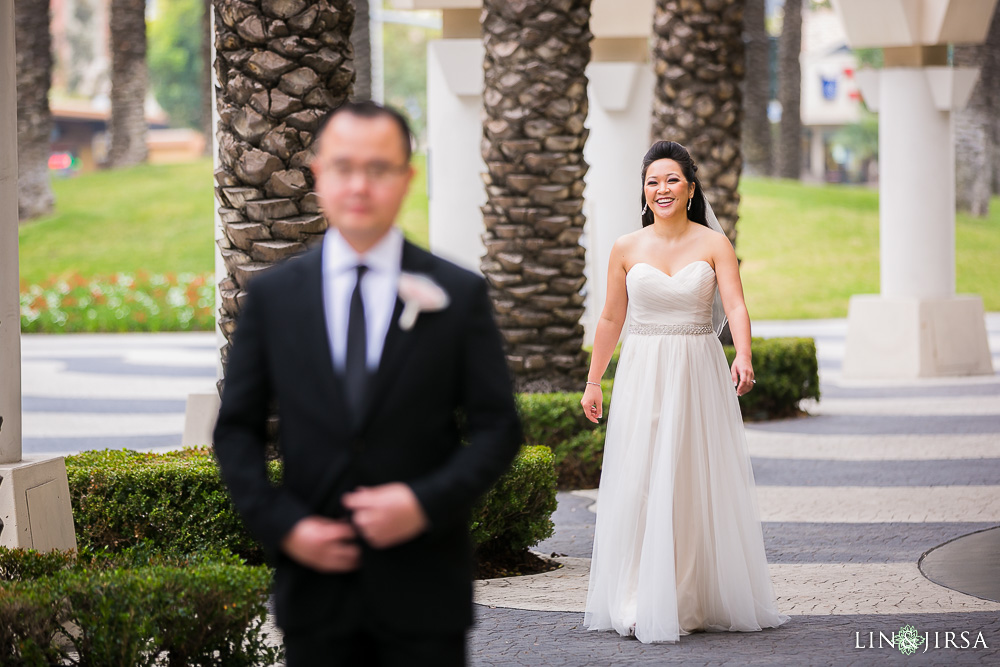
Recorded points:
(33, 62)
(977, 130)
(790, 92)
(535, 101)
(281, 66)
(129, 83)
(699, 63)
(361, 40)
(757, 157)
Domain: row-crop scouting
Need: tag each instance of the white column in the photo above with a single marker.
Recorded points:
(454, 163)
(817, 154)
(201, 410)
(621, 102)
(917, 326)
(34, 494)
(917, 188)
(10, 311)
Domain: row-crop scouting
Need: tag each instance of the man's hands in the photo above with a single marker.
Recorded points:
(386, 515)
(325, 545)
(383, 516)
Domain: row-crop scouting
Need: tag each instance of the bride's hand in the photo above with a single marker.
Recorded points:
(593, 403)
(742, 375)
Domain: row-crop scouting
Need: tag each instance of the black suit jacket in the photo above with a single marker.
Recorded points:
(449, 364)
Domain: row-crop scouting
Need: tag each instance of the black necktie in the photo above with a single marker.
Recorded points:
(356, 367)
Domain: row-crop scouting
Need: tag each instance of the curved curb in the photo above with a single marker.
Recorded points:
(951, 565)
(564, 589)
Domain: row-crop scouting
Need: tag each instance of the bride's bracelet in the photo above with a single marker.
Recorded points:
(596, 384)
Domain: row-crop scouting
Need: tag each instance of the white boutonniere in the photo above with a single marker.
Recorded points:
(420, 294)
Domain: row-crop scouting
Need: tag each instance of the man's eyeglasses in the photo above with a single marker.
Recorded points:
(374, 172)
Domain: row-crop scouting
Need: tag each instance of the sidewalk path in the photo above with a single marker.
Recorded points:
(109, 391)
(851, 497)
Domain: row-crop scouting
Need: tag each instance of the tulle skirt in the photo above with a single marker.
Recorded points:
(678, 544)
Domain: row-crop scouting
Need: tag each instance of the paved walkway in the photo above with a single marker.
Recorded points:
(96, 391)
(850, 496)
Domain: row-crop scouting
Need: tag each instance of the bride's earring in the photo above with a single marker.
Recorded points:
(689, 202)
(645, 207)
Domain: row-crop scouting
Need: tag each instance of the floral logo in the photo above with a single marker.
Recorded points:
(420, 294)
(908, 640)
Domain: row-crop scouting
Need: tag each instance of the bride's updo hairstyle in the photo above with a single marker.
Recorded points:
(671, 150)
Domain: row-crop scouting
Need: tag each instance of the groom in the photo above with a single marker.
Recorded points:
(368, 528)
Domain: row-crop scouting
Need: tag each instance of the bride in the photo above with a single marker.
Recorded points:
(678, 544)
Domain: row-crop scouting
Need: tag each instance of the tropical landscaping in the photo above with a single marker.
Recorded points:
(804, 249)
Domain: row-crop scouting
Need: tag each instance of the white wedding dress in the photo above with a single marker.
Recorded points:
(678, 544)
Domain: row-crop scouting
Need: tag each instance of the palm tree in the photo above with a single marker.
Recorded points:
(535, 100)
(361, 40)
(756, 92)
(129, 83)
(790, 92)
(977, 130)
(699, 63)
(33, 62)
(282, 65)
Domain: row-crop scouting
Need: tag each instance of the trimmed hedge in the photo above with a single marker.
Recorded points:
(786, 370)
(517, 512)
(176, 502)
(197, 611)
(556, 421)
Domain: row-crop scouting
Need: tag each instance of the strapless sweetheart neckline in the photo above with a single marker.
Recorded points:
(675, 273)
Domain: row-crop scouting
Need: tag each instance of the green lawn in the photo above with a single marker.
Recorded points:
(805, 248)
(156, 218)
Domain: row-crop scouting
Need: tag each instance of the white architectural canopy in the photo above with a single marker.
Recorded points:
(917, 326)
(621, 103)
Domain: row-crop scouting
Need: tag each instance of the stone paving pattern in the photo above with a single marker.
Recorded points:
(850, 497)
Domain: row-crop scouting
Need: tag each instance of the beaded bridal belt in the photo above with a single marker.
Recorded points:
(670, 329)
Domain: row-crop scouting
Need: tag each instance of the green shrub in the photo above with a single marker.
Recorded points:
(30, 618)
(176, 503)
(579, 459)
(550, 418)
(786, 371)
(27, 564)
(517, 512)
(198, 613)
(785, 368)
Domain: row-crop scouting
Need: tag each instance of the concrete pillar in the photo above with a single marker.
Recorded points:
(35, 510)
(916, 209)
(621, 102)
(455, 131)
(817, 154)
(201, 410)
(917, 326)
(10, 318)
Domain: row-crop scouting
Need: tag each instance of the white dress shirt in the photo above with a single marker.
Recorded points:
(378, 289)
